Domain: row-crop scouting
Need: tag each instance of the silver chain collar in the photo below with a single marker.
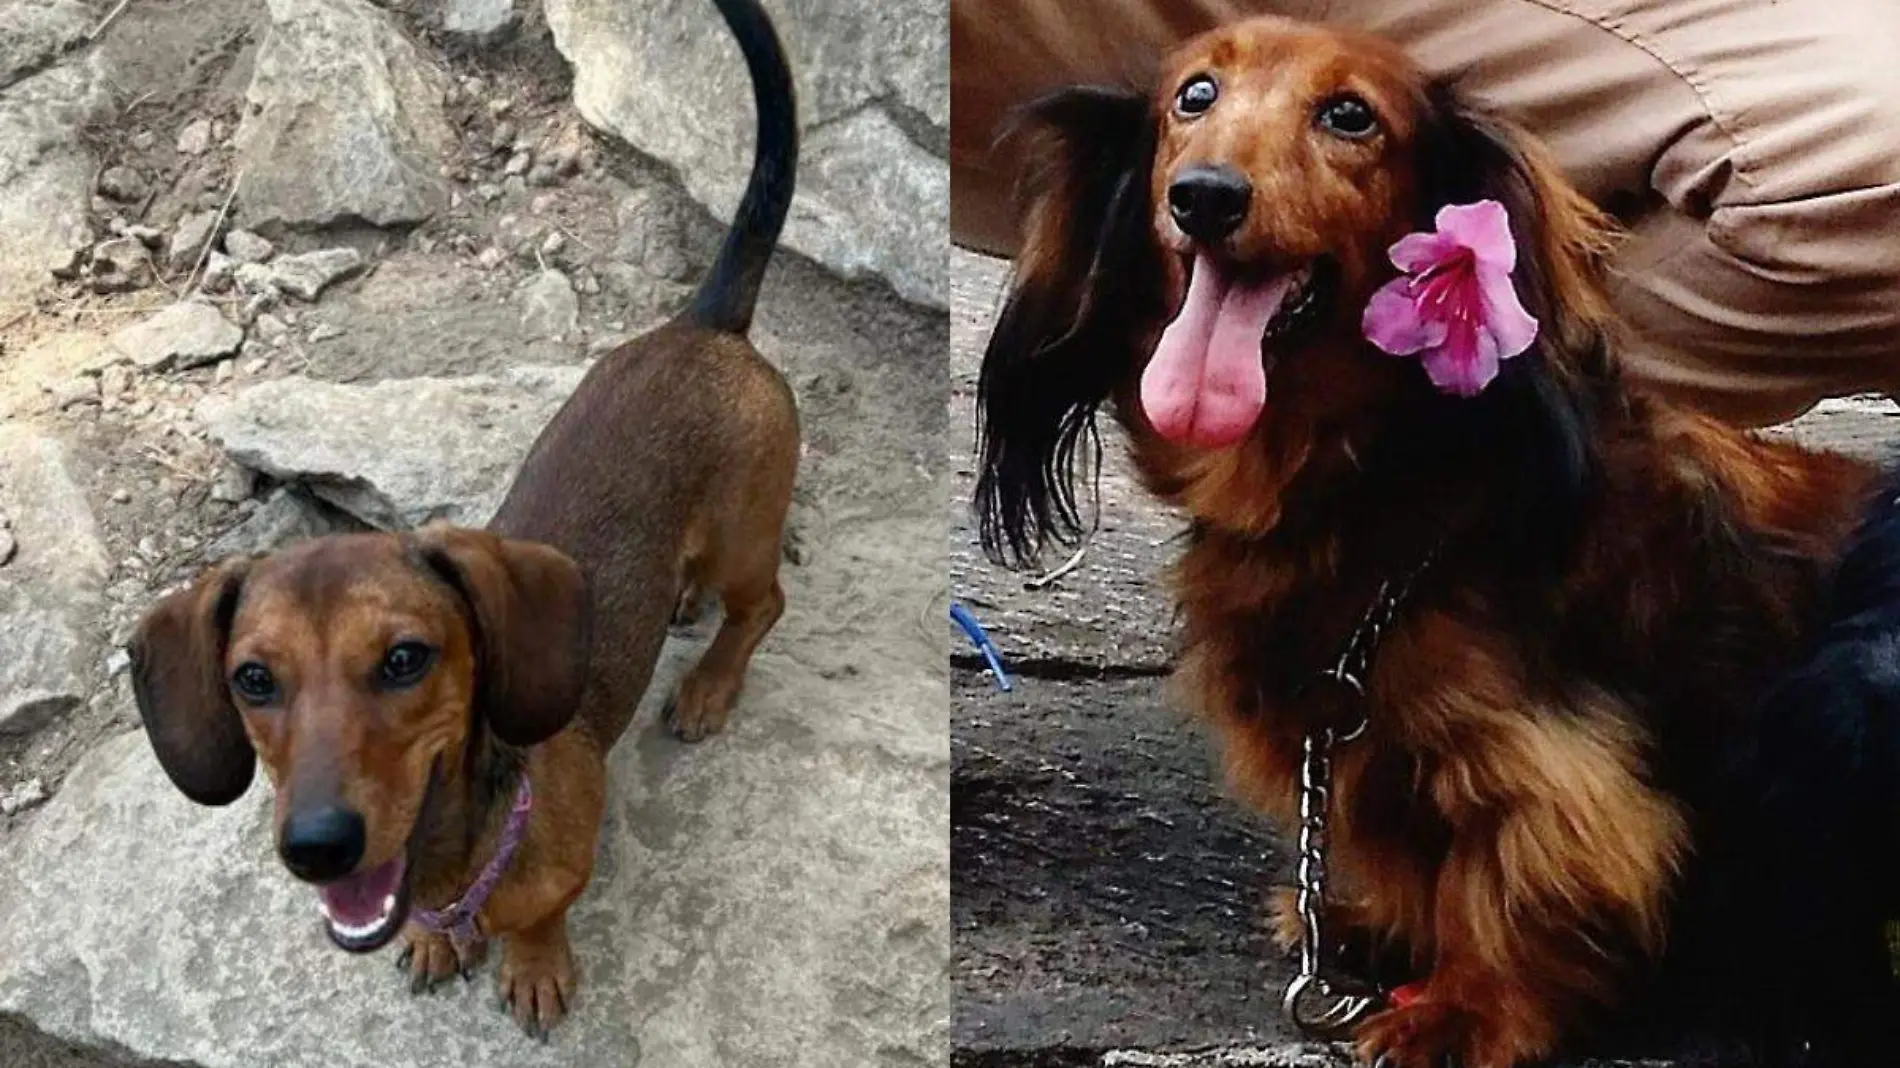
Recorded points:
(1315, 1004)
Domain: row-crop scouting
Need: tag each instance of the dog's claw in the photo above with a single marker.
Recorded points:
(402, 960)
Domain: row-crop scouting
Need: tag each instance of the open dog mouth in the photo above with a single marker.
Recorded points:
(363, 911)
(1206, 383)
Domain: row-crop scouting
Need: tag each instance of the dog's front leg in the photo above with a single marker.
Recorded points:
(1555, 883)
(537, 975)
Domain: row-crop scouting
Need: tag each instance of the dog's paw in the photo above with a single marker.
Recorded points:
(1421, 1031)
(1423, 1034)
(428, 960)
(698, 709)
(537, 983)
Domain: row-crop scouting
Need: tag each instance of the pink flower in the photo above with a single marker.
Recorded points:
(1454, 307)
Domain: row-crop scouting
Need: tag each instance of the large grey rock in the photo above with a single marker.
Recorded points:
(36, 32)
(187, 334)
(398, 453)
(772, 897)
(344, 122)
(52, 590)
(873, 82)
(46, 172)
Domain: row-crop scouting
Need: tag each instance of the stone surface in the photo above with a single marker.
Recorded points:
(45, 168)
(72, 392)
(344, 121)
(308, 274)
(120, 265)
(22, 797)
(398, 453)
(247, 247)
(549, 307)
(36, 32)
(51, 592)
(873, 84)
(479, 21)
(195, 138)
(233, 483)
(188, 242)
(123, 184)
(218, 272)
(281, 519)
(186, 334)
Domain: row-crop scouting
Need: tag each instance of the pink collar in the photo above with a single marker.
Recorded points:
(458, 919)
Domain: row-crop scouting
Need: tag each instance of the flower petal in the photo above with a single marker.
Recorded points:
(1484, 227)
(1465, 363)
(1505, 319)
(1394, 321)
(1417, 253)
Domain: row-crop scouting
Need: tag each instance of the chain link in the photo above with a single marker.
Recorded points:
(1312, 1002)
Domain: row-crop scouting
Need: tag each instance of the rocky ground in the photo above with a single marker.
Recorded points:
(1108, 899)
(270, 268)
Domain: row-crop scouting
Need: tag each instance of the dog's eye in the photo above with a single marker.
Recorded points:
(1348, 116)
(406, 662)
(254, 682)
(1196, 95)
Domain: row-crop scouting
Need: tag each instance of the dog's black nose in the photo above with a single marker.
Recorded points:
(1209, 202)
(322, 843)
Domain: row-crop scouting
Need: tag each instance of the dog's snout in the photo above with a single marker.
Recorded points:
(1209, 202)
(323, 843)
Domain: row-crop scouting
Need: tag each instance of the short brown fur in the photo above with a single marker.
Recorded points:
(668, 472)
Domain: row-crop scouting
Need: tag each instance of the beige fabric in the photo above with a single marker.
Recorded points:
(1753, 146)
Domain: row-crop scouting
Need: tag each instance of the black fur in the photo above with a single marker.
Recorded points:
(726, 298)
(1070, 333)
(1811, 870)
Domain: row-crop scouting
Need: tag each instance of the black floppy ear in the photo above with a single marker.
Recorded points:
(1083, 290)
(178, 681)
(1540, 407)
(531, 617)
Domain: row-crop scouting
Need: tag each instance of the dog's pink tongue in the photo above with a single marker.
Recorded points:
(1205, 384)
(358, 899)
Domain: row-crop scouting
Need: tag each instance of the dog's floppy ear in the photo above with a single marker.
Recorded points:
(178, 680)
(1077, 308)
(530, 615)
(1539, 409)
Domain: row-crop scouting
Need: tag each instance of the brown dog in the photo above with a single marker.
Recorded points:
(1539, 820)
(433, 709)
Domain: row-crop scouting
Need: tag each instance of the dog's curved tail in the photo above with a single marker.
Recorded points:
(726, 298)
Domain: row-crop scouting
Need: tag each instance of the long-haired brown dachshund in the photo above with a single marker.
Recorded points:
(434, 708)
(1544, 816)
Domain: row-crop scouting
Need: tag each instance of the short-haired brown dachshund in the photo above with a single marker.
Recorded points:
(434, 708)
(1547, 819)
